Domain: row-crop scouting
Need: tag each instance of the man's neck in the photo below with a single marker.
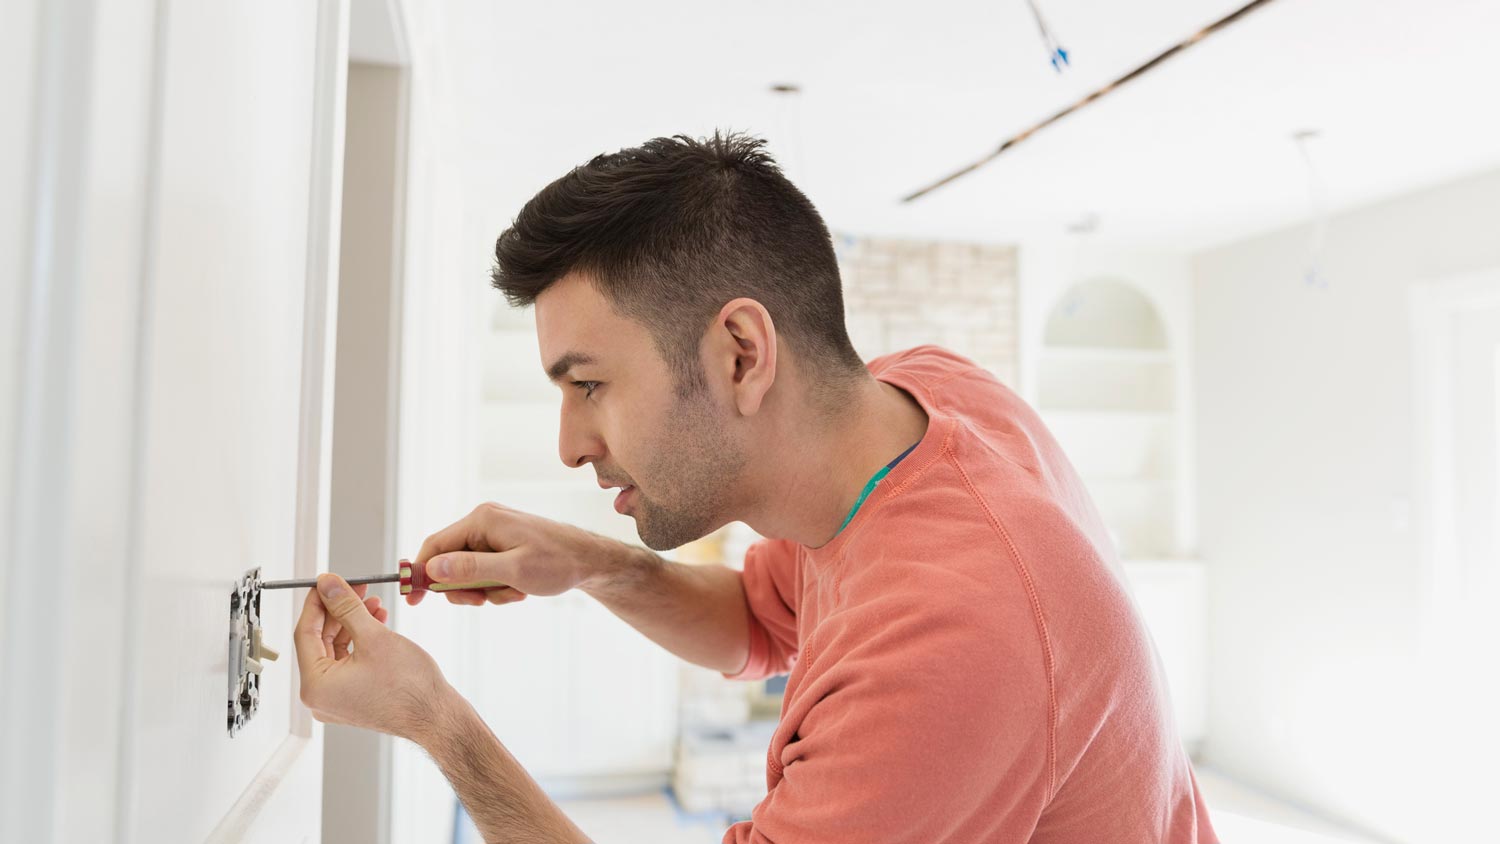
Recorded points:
(823, 461)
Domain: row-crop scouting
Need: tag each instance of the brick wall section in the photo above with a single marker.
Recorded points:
(902, 293)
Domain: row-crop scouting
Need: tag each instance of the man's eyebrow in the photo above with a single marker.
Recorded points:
(560, 367)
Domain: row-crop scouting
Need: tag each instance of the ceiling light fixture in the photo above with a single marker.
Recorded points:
(789, 127)
(1317, 210)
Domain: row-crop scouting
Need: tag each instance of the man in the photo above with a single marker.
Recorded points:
(965, 665)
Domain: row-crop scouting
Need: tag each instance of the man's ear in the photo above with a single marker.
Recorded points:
(743, 347)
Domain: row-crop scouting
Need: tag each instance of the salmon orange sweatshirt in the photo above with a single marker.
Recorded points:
(966, 664)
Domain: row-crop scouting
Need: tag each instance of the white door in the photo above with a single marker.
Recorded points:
(171, 415)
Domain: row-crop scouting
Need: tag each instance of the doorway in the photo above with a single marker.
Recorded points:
(357, 770)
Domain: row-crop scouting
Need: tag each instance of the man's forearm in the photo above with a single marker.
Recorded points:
(697, 612)
(504, 801)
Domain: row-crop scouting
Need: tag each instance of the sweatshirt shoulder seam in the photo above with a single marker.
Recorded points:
(1036, 609)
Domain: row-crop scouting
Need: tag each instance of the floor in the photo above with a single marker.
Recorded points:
(1240, 816)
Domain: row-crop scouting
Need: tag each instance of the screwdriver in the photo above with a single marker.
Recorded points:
(412, 579)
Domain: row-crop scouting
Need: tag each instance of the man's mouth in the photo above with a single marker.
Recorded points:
(623, 498)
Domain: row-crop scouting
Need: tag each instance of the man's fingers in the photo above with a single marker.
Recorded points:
(475, 598)
(468, 532)
(472, 566)
(465, 597)
(308, 635)
(344, 636)
(503, 596)
(334, 634)
(341, 644)
(345, 605)
(449, 538)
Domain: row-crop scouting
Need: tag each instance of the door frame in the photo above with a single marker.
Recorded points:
(358, 764)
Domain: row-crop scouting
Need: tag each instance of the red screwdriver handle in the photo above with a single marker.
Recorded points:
(414, 579)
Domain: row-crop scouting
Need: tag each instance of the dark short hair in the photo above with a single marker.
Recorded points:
(671, 230)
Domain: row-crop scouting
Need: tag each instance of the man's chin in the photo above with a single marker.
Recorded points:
(657, 539)
(656, 546)
(652, 541)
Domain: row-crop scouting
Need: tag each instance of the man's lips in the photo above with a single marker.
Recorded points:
(623, 496)
(621, 499)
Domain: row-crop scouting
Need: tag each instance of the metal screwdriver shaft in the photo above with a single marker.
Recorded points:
(412, 579)
(311, 582)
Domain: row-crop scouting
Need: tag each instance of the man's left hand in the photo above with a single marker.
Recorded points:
(356, 671)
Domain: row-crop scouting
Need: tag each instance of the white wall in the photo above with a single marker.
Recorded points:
(169, 226)
(1306, 459)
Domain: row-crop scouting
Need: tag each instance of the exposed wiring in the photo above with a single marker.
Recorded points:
(1091, 97)
(1055, 52)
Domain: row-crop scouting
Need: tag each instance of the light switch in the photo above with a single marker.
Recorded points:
(259, 649)
(246, 650)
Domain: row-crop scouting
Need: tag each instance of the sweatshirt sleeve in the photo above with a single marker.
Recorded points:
(771, 581)
(914, 735)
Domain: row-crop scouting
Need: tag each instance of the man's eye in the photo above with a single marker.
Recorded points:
(588, 387)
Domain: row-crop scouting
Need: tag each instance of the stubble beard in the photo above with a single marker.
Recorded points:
(697, 463)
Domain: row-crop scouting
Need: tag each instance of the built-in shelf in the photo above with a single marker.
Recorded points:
(1123, 379)
(1106, 389)
(1104, 415)
(1094, 354)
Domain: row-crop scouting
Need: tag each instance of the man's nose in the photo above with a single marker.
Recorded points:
(577, 444)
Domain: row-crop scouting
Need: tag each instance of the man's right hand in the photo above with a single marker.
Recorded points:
(530, 554)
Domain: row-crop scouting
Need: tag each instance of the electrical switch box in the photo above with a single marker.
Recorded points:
(247, 650)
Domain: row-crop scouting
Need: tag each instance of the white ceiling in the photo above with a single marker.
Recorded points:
(1405, 93)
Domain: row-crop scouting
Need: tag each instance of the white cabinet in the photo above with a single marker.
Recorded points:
(1171, 596)
(584, 702)
(624, 709)
(1106, 388)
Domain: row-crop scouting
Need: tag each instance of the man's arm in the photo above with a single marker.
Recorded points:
(697, 612)
(355, 671)
(504, 801)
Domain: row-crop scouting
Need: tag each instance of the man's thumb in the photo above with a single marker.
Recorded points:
(344, 605)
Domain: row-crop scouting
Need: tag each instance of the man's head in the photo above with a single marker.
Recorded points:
(667, 274)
